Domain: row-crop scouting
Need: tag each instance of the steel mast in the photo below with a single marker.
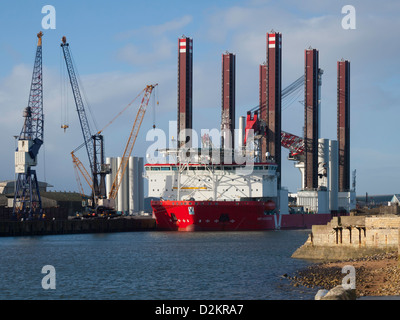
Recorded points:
(27, 200)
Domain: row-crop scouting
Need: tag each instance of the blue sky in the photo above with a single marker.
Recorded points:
(121, 46)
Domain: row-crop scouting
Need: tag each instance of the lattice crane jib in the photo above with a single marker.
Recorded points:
(131, 141)
(27, 200)
(93, 142)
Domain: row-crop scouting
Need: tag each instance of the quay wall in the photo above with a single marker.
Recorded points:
(75, 226)
(350, 237)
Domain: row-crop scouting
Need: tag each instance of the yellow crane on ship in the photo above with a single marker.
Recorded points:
(109, 203)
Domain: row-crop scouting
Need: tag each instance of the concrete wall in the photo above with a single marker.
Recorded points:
(351, 237)
(51, 227)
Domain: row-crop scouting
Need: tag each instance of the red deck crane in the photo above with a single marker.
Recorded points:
(294, 143)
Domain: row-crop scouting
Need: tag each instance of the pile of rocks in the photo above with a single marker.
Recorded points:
(337, 293)
(317, 276)
(377, 275)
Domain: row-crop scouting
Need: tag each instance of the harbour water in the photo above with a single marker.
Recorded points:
(154, 265)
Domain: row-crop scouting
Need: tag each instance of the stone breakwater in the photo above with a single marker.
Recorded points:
(351, 237)
(376, 275)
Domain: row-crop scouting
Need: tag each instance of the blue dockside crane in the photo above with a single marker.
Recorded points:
(27, 200)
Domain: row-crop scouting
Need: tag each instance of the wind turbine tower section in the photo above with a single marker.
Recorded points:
(185, 90)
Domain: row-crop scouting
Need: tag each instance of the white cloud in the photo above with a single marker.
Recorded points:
(140, 51)
(156, 30)
(160, 50)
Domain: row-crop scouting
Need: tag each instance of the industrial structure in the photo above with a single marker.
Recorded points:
(123, 164)
(93, 142)
(228, 116)
(311, 118)
(117, 182)
(198, 192)
(343, 120)
(324, 164)
(326, 178)
(271, 107)
(185, 90)
(130, 196)
(27, 201)
(102, 200)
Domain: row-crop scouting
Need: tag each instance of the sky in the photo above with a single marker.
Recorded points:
(120, 46)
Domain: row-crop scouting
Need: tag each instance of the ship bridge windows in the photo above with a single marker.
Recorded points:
(155, 168)
(165, 168)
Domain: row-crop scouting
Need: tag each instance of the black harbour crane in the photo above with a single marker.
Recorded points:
(93, 141)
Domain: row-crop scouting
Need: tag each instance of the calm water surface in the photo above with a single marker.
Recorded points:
(155, 265)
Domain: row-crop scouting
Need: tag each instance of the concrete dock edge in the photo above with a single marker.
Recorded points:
(75, 226)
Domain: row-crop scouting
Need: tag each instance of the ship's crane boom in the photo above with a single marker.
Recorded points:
(131, 141)
(292, 89)
(292, 142)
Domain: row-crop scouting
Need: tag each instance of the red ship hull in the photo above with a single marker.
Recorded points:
(228, 216)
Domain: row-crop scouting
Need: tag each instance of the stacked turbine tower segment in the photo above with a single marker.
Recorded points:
(311, 117)
(185, 90)
(228, 101)
(271, 109)
(263, 105)
(343, 123)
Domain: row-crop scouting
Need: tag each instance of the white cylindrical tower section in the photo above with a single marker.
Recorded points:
(333, 175)
(132, 191)
(301, 166)
(320, 73)
(120, 195)
(141, 184)
(125, 190)
(114, 168)
(130, 195)
(108, 177)
(323, 162)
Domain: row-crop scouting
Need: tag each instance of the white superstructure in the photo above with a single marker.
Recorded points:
(217, 182)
